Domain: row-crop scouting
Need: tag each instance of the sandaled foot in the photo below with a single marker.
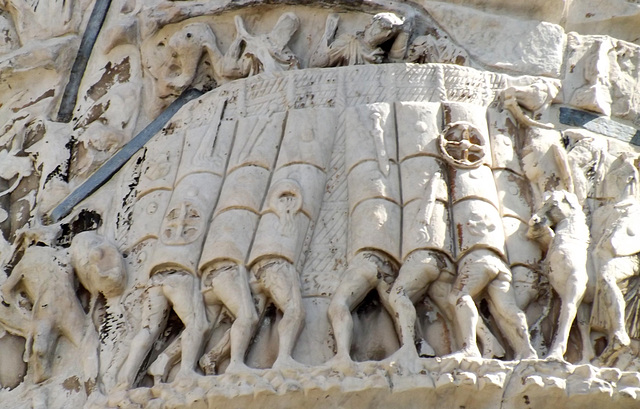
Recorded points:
(468, 352)
(287, 362)
(555, 356)
(528, 353)
(342, 364)
(237, 367)
(404, 359)
(186, 376)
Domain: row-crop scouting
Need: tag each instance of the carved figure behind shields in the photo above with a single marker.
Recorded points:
(375, 218)
(561, 228)
(544, 159)
(479, 238)
(616, 256)
(276, 250)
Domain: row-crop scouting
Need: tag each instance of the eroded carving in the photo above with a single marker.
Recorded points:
(374, 221)
(363, 47)
(51, 309)
(560, 226)
(168, 289)
(354, 197)
(614, 229)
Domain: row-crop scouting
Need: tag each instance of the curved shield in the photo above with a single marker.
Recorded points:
(229, 238)
(418, 128)
(375, 225)
(478, 224)
(365, 182)
(283, 226)
(243, 187)
(370, 135)
(183, 229)
(474, 183)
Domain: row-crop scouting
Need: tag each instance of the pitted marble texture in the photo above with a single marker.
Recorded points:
(286, 204)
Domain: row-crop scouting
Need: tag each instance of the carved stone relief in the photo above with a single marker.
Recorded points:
(365, 207)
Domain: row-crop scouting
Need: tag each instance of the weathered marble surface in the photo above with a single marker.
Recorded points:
(372, 204)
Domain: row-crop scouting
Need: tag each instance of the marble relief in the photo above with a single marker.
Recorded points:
(355, 202)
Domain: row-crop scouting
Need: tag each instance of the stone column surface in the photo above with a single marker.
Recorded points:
(320, 204)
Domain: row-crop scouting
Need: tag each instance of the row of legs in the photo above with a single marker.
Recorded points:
(424, 272)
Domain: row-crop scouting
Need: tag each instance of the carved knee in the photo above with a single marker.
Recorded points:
(337, 308)
(252, 319)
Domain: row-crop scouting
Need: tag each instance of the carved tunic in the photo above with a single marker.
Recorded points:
(350, 49)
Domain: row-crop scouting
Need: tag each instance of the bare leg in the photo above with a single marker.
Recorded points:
(216, 354)
(439, 294)
(568, 310)
(154, 316)
(73, 326)
(231, 287)
(418, 271)
(163, 363)
(584, 318)
(183, 290)
(473, 277)
(45, 340)
(283, 286)
(615, 306)
(359, 279)
(510, 318)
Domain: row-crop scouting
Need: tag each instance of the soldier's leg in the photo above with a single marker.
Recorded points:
(155, 310)
(71, 320)
(572, 291)
(439, 293)
(183, 291)
(359, 279)
(510, 318)
(231, 287)
(45, 339)
(419, 270)
(612, 272)
(584, 325)
(160, 368)
(615, 271)
(216, 354)
(282, 284)
(473, 277)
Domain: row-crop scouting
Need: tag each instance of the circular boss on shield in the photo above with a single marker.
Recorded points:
(462, 145)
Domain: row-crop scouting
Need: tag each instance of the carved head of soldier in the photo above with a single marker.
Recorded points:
(382, 28)
(98, 264)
